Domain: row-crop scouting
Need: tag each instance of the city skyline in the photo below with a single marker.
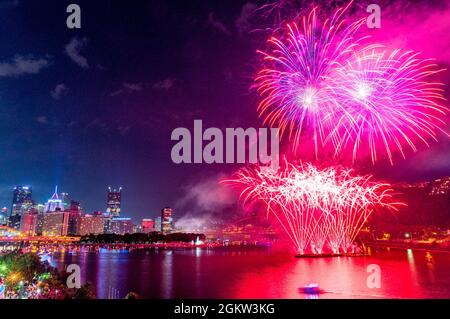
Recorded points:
(54, 203)
(62, 216)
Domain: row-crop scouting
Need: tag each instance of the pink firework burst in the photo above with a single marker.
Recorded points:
(388, 102)
(319, 209)
(319, 83)
(294, 82)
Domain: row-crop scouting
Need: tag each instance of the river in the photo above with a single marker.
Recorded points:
(259, 273)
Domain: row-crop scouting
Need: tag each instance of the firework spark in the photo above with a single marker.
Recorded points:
(319, 209)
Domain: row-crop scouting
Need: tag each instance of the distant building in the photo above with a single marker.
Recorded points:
(29, 223)
(166, 220)
(75, 206)
(158, 223)
(40, 224)
(54, 203)
(91, 224)
(75, 212)
(147, 225)
(39, 207)
(4, 216)
(65, 198)
(22, 202)
(107, 223)
(55, 224)
(113, 202)
(74, 223)
(121, 226)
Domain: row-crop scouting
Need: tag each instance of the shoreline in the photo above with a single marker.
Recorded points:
(399, 246)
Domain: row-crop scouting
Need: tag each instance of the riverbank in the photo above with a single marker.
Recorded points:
(406, 246)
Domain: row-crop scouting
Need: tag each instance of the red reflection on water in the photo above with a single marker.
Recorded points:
(261, 273)
(339, 277)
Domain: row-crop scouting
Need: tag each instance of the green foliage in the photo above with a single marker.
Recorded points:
(17, 267)
(20, 270)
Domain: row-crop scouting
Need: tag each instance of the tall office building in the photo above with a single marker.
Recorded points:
(122, 226)
(4, 216)
(166, 220)
(74, 218)
(91, 224)
(113, 202)
(29, 223)
(75, 206)
(158, 223)
(65, 198)
(55, 224)
(54, 203)
(40, 223)
(22, 202)
(107, 223)
(147, 226)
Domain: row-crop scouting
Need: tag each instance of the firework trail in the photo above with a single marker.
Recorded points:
(319, 209)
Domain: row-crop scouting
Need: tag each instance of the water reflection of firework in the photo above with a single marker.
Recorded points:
(321, 210)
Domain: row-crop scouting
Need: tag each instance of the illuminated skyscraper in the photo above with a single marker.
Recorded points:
(22, 202)
(55, 223)
(29, 223)
(113, 202)
(54, 203)
(121, 226)
(158, 223)
(147, 226)
(65, 198)
(4, 216)
(40, 224)
(74, 218)
(91, 224)
(166, 220)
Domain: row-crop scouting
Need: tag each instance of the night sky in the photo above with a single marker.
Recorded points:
(95, 107)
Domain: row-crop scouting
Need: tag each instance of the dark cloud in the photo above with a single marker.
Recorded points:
(42, 120)
(217, 24)
(21, 65)
(128, 88)
(73, 51)
(165, 84)
(59, 91)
